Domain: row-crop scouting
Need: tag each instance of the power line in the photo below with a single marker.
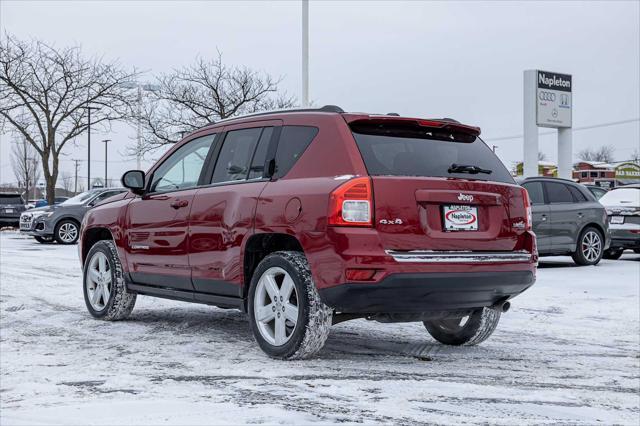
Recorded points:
(575, 129)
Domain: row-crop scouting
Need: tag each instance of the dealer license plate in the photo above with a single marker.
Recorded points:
(617, 220)
(460, 218)
(9, 210)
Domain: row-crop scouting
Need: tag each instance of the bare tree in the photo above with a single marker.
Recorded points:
(193, 96)
(542, 156)
(45, 93)
(635, 156)
(604, 154)
(67, 181)
(24, 160)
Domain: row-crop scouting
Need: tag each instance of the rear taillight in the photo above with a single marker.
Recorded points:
(527, 206)
(351, 203)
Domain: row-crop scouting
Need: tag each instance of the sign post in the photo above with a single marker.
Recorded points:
(547, 103)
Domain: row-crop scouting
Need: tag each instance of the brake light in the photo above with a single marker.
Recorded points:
(350, 204)
(527, 206)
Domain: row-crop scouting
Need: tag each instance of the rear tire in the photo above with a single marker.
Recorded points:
(288, 319)
(589, 247)
(613, 254)
(105, 292)
(67, 231)
(44, 240)
(477, 328)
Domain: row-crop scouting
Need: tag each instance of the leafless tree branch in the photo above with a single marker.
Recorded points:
(45, 92)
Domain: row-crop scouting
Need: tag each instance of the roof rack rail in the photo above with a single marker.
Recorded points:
(326, 108)
(451, 120)
(394, 114)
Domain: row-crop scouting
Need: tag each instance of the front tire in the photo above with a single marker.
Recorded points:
(589, 249)
(471, 330)
(105, 292)
(288, 319)
(67, 231)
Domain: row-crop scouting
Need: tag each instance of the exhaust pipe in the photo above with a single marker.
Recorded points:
(502, 306)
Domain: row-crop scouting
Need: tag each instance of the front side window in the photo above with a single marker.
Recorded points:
(182, 169)
(105, 195)
(535, 192)
(558, 193)
(236, 155)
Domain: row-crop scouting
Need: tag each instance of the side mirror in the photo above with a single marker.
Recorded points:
(134, 180)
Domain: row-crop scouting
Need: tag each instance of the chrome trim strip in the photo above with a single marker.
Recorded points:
(431, 256)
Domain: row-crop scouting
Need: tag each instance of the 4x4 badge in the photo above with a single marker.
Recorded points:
(391, 221)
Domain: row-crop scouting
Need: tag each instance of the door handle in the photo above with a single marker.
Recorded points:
(544, 217)
(579, 214)
(179, 203)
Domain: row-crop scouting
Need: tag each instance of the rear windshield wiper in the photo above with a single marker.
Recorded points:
(465, 168)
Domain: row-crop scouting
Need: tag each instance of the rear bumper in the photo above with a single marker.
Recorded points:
(427, 292)
(625, 236)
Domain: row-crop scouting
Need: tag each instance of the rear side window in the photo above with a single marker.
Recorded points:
(558, 193)
(260, 156)
(294, 140)
(236, 155)
(535, 192)
(578, 196)
(394, 151)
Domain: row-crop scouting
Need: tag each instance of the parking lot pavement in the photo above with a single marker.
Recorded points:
(567, 351)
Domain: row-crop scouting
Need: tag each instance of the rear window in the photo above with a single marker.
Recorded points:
(10, 199)
(394, 151)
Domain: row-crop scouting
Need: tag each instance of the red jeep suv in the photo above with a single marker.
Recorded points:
(307, 218)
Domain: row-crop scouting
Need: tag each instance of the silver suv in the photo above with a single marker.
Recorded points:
(61, 222)
(567, 220)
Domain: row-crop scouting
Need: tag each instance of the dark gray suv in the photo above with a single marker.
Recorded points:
(61, 222)
(567, 220)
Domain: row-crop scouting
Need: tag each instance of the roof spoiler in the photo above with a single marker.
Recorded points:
(433, 123)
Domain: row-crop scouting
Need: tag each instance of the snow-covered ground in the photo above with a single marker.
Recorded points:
(568, 351)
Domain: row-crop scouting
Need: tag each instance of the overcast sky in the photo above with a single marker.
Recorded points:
(427, 59)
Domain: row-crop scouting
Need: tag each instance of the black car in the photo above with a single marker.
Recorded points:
(11, 206)
(567, 219)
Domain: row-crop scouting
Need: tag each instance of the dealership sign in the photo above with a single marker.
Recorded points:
(628, 171)
(553, 99)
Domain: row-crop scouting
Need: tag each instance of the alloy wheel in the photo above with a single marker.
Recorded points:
(68, 232)
(276, 306)
(98, 281)
(591, 246)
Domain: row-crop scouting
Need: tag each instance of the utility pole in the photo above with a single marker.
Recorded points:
(89, 108)
(106, 142)
(305, 53)
(75, 187)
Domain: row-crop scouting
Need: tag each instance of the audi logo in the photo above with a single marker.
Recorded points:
(547, 96)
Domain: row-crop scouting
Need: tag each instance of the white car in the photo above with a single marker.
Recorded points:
(623, 209)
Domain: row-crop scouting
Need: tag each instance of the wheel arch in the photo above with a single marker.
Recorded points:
(90, 237)
(260, 245)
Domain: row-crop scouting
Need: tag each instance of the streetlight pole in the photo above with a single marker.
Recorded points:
(106, 142)
(305, 53)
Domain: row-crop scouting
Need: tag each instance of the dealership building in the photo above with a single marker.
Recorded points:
(597, 173)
